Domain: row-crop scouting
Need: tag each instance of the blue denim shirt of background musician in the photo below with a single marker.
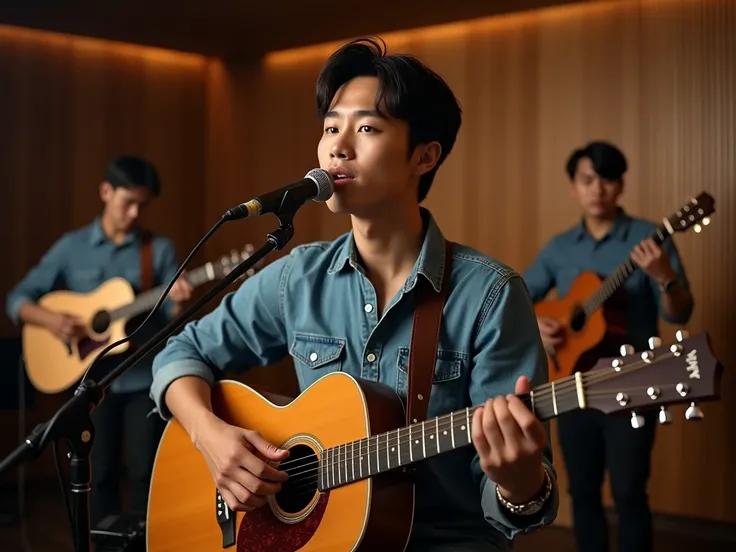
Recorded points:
(348, 306)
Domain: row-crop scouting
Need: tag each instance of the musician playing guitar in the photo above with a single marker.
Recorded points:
(591, 441)
(111, 246)
(347, 305)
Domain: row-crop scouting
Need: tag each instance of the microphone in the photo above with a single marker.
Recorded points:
(316, 185)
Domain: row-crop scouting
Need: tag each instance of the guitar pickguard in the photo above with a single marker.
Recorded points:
(262, 531)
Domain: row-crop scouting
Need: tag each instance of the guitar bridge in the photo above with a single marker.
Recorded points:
(226, 520)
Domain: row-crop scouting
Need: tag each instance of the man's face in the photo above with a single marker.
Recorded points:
(370, 150)
(597, 196)
(123, 206)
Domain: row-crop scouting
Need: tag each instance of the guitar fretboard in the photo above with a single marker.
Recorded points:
(146, 301)
(615, 280)
(357, 460)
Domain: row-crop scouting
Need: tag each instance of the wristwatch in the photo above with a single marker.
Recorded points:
(668, 286)
(533, 506)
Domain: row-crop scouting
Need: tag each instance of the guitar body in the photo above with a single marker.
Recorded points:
(578, 341)
(52, 366)
(370, 514)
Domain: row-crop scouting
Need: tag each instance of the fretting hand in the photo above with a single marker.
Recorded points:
(510, 440)
(653, 260)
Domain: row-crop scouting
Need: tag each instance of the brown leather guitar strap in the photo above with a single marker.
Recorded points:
(146, 261)
(425, 336)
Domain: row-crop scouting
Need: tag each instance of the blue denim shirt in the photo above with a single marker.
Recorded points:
(317, 305)
(82, 260)
(568, 254)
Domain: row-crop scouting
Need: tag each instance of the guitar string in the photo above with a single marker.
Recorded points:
(561, 392)
(398, 439)
(559, 388)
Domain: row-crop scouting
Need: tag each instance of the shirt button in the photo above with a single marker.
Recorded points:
(371, 357)
(368, 307)
(313, 357)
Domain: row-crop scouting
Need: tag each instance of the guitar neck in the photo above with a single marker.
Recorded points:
(377, 454)
(616, 279)
(146, 300)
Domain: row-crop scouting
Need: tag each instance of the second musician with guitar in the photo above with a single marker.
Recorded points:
(591, 441)
(110, 246)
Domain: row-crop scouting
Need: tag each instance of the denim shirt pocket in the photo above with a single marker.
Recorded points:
(449, 388)
(316, 356)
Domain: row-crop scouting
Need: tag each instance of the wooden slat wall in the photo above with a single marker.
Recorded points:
(67, 105)
(656, 77)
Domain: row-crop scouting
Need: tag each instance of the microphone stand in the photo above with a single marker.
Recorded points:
(72, 422)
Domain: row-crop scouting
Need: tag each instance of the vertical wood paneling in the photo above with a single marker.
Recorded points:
(655, 77)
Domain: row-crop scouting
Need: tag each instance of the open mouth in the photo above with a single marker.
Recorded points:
(341, 177)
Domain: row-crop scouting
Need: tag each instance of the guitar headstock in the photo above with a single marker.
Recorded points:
(229, 262)
(683, 372)
(694, 213)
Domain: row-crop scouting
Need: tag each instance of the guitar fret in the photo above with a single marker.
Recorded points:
(368, 445)
(452, 429)
(360, 458)
(437, 433)
(411, 446)
(398, 444)
(378, 458)
(424, 448)
(388, 458)
(467, 422)
(332, 466)
(345, 462)
(352, 463)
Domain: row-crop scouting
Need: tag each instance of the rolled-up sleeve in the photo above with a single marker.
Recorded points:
(508, 346)
(40, 280)
(247, 329)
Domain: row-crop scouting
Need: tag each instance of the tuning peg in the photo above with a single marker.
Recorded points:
(664, 416)
(697, 228)
(654, 342)
(706, 221)
(693, 412)
(626, 350)
(637, 421)
(681, 335)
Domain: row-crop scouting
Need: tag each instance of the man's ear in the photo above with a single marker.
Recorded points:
(427, 157)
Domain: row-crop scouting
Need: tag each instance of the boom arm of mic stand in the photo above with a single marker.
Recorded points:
(73, 423)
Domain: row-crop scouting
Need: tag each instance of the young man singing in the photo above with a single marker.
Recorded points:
(80, 261)
(389, 123)
(591, 441)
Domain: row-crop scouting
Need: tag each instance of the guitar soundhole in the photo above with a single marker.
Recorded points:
(577, 320)
(101, 322)
(300, 488)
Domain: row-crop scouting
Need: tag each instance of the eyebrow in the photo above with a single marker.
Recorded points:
(359, 113)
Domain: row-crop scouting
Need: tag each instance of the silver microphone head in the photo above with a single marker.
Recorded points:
(325, 184)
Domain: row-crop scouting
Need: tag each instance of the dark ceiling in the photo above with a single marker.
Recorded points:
(242, 28)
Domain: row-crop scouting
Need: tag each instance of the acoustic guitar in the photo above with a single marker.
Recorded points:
(579, 312)
(346, 490)
(112, 311)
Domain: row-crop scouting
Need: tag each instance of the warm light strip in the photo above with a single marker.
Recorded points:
(437, 33)
(57, 40)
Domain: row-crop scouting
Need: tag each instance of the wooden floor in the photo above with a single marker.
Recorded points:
(46, 530)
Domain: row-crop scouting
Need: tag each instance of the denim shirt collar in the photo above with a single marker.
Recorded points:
(619, 229)
(97, 234)
(430, 264)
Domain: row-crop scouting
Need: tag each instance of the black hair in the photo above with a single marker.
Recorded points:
(129, 171)
(608, 161)
(408, 90)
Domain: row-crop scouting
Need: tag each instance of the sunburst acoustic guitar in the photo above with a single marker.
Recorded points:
(579, 311)
(347, 439)
(110, 311)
